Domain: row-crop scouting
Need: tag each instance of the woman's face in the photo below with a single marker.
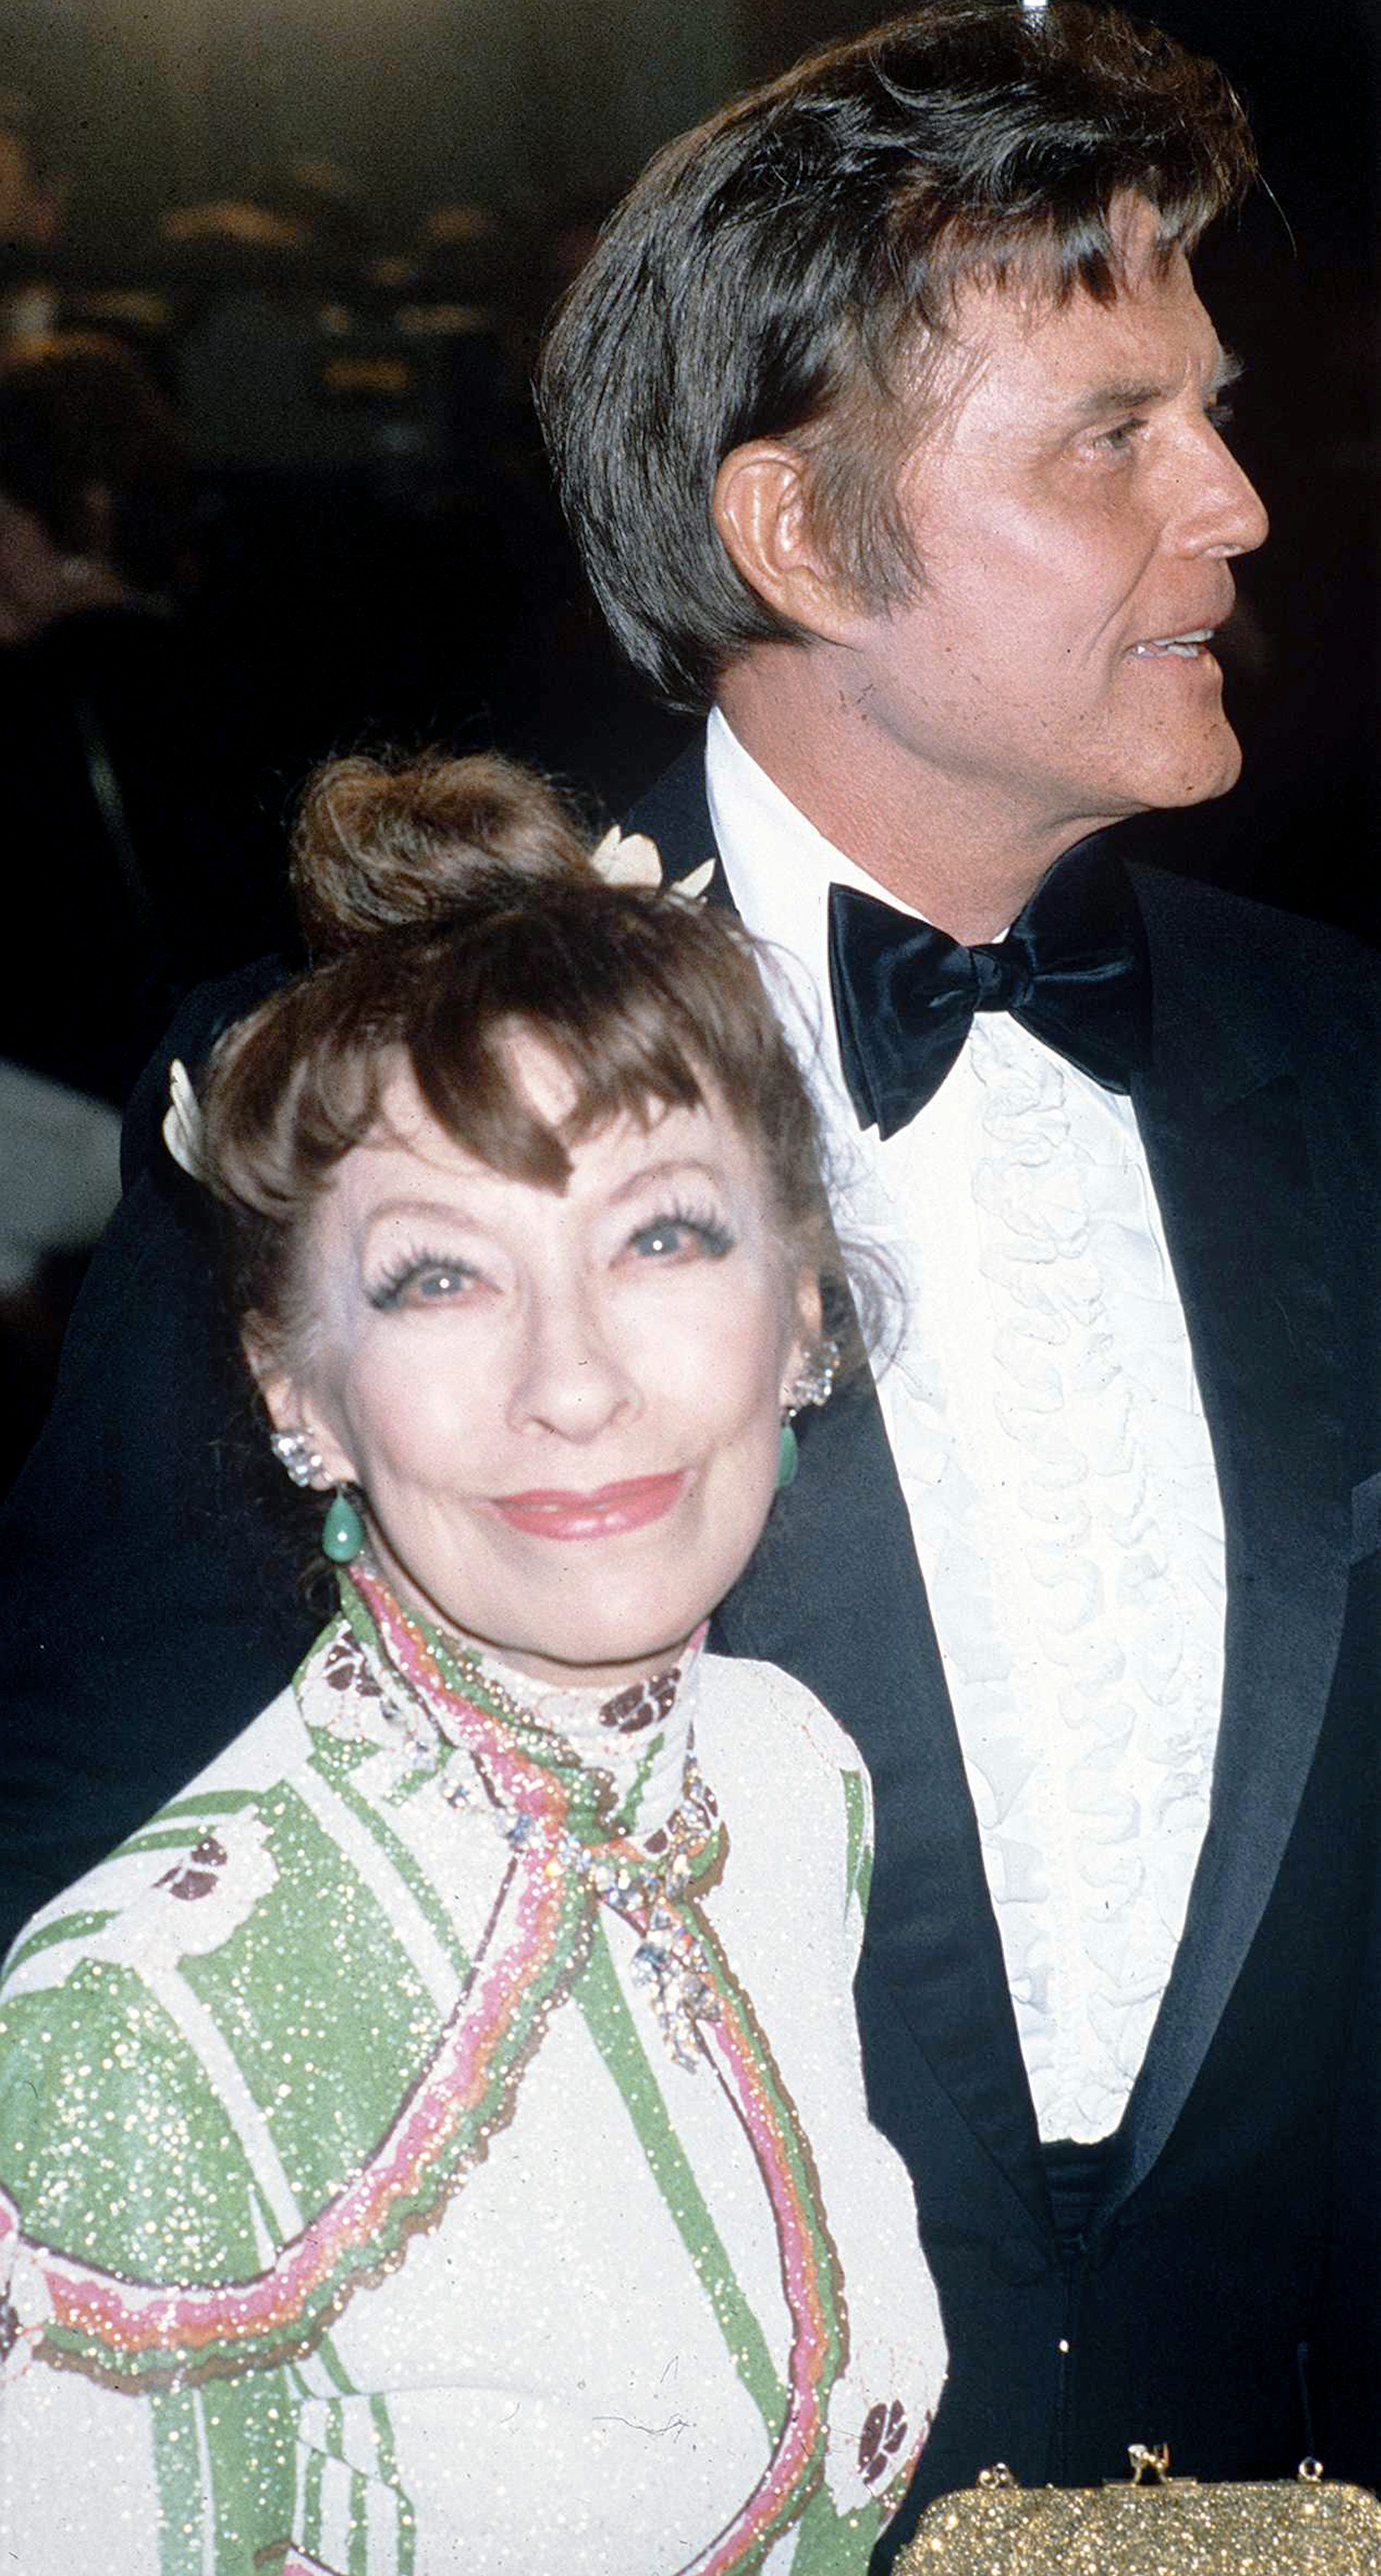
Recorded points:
(562, 1406)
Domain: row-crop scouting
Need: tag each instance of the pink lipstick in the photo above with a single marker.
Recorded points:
(606, 1513)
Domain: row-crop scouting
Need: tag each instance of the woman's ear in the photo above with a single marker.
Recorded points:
(762, 512)
(810, 1325)
(290, 1410)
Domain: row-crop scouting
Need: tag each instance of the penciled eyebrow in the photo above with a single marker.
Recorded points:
(1113, 400)
(410, 1211)
(421, 1210)
(677, 1167)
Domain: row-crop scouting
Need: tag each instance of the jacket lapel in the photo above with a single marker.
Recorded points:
(1225, 1141)
(835, 1596)
(675, 813)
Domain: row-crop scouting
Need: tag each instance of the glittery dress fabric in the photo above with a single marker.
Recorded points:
(437, 2142)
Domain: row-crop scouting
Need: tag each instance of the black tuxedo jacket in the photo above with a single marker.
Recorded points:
(1226, 2295)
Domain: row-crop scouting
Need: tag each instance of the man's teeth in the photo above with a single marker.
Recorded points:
(1186, 645)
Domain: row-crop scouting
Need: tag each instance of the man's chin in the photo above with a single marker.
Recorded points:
(1200, 781)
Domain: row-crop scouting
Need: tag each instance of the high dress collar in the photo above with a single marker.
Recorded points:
(614, 1764)
(600, 1795)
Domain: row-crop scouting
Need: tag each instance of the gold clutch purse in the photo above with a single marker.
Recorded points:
(1155, 2525)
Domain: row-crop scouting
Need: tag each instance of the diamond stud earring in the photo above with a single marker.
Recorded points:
(293, 1450)
(816, 1378)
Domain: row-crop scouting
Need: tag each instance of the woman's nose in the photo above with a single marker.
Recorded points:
(569, 1377)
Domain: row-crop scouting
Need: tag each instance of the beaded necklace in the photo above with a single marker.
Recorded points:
(549, 1800)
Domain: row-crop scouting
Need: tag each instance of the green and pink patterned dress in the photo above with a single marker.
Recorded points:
(436, 2146)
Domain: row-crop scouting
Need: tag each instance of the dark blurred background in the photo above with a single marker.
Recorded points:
(273, 274)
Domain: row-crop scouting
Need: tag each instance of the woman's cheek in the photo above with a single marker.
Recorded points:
(419, 1392)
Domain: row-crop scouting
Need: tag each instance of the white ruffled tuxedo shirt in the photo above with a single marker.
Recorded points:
(1053, 1452)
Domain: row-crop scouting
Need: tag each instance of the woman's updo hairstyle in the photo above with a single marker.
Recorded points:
(419, 843)
(448, 904)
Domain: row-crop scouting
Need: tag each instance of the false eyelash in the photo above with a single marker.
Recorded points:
(713, 1232)
(387, 1291)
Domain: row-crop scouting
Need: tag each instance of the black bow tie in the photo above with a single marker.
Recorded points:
(1073, 969)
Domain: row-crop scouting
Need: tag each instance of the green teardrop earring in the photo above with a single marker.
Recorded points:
(342, 1531)
(811, 1385)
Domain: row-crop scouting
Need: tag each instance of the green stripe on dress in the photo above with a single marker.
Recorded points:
(112, 2141)
(251, 2428)
(196, 1809)
(68, 1927)
(612, 2028)
(406, 2537)
(365, 2006)
(328, 1759)
(828, 2539)
(181, 2495)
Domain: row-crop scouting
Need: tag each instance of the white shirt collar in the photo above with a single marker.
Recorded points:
(780, 870)
(776, 852)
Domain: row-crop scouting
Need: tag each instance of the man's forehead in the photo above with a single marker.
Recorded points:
(1016, 347)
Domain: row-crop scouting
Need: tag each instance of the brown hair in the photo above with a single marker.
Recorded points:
(449, 901)
(789, 269)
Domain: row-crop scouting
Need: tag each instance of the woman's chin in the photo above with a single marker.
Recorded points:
(605, 1660)
(579, 1646)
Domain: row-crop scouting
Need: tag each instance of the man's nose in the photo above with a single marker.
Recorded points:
(1225, 515)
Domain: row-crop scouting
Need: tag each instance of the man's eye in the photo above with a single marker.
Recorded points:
(1121, 436)
(1219, 415)
(670, 1238)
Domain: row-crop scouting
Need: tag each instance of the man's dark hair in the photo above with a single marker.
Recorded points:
(787, 269)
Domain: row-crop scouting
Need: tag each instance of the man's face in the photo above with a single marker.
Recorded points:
(1074, 511)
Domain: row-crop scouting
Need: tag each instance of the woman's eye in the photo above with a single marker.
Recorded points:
(448, 1281)
(672, 1238)
(424, 1283)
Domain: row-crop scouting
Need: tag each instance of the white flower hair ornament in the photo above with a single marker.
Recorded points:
(182, 1126)
(631, 859)
(621, 859)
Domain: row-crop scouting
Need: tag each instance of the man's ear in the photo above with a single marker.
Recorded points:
(762, 512)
